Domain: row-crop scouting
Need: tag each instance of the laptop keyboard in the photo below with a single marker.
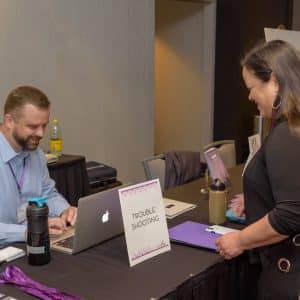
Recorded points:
(66, 243)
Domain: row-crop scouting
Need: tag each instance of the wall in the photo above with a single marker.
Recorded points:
(240, 25)
(184, 74)
(94, 60)
(296, 15)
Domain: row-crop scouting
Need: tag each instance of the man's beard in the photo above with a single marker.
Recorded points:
(25, 142)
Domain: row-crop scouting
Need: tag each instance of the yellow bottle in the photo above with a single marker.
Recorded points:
(56, 139)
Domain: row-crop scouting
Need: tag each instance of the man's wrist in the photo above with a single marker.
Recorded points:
(64, 211)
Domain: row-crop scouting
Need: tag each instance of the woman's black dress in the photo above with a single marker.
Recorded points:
(272, 186)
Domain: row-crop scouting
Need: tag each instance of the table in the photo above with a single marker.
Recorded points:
(235, 279)
(70, 175)
(184, 273)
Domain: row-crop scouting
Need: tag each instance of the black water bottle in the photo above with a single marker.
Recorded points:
(38, 244)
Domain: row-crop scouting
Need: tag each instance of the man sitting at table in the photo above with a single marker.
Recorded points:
(23, 168)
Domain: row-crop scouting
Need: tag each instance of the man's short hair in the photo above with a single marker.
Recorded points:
(23, 95)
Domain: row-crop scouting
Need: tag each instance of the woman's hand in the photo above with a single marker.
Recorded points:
(229, 245)
(237, 205)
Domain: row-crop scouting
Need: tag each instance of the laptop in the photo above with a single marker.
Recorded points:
(174, 208)
(99, 218)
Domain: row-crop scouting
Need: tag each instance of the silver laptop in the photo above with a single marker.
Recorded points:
(99, 218)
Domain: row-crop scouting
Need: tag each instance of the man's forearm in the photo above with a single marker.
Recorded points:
(10, 233)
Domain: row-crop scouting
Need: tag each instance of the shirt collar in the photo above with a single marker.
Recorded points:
(7, 152)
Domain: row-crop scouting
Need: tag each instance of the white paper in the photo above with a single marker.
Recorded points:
(290, 36)
(254, 142)
(10, 253)
(220, 229)
(144, 221)
(51, 158)
(174, 208)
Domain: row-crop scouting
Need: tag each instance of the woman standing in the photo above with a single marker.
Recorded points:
(271, 181)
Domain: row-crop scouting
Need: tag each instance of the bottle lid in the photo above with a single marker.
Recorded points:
(40, 201)
(218, 185)
(55, 121)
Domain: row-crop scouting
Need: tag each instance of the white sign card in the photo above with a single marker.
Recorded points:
(145, 224)
(254, 142)
(290, 36)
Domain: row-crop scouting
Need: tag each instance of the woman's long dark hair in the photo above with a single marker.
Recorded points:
(280, 59)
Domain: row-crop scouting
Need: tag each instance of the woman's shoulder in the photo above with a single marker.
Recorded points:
(281, 126)
(281, 131)
(282, 138)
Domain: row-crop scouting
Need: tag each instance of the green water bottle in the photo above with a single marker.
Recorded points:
(56, 139)
(38, 243)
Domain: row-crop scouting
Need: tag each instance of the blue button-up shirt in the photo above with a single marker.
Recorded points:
(23, 175)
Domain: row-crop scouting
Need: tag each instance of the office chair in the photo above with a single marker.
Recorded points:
(181, 167)
(226, 148)
(155, 167)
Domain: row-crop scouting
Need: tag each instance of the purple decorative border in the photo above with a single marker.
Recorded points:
(141, 188)
(148, 250)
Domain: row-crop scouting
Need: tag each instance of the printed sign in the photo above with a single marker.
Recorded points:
(254, 142)
(216, 166)
(144, 221)
(290, 36)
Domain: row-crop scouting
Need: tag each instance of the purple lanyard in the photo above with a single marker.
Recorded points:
(14, 275)
(19, 182)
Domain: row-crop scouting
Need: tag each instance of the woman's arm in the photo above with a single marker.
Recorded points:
(258, 234)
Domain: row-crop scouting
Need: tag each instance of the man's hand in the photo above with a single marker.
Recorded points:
(56, 225)
(69, 215)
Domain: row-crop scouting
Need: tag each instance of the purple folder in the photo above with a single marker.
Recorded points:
(193, 234)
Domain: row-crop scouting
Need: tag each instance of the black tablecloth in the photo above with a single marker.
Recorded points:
(70, 175)
(222, 280)
(185, 273)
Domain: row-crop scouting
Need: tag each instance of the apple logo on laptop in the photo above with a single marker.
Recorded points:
(105, 217)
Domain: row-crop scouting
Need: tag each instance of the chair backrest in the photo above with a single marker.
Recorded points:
(155, 167)
(227, 151)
